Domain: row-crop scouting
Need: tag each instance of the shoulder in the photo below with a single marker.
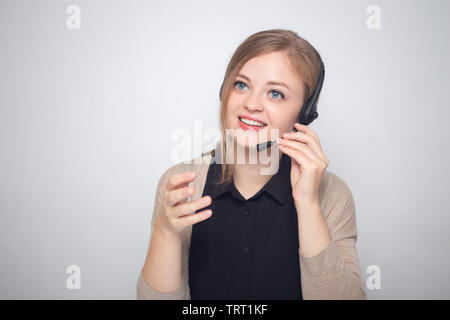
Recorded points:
(332, 184)
(199, 165)
(334, 193)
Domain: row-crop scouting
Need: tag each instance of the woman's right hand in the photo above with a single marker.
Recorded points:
(176, 213)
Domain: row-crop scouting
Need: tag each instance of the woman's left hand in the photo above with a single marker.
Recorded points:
(308, 163)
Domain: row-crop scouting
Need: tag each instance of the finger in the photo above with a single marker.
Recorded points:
(175, 196)
(179, 179)
(195, 218)
(307, 130)
(190, 207)
(296, 155)
(300, 146)
(308, 140)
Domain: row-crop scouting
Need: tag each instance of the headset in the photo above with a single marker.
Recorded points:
(308, 112)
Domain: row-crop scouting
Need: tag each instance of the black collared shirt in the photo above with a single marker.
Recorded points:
(247, 249)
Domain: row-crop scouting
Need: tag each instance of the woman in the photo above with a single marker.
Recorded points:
(248, 235)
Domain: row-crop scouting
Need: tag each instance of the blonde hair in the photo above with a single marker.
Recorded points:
(303, 57)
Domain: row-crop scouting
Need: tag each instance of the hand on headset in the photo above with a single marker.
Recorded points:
(308, 163)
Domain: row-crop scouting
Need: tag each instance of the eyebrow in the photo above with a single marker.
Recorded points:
(277, 83)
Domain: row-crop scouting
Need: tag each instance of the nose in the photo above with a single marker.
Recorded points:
(253, 108)
(253, 104)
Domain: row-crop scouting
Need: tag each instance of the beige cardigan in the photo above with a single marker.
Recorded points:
(334, 273)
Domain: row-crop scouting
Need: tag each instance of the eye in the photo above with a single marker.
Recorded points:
(241, 86)
(239, 82)
(277, 94)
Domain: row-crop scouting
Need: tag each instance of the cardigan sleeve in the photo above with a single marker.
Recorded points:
(146, 292)
(143, 290)
(334, 273)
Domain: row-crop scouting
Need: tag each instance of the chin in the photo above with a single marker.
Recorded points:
(248, 140)
(247, 144)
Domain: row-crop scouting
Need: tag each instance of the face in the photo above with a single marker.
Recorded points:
(269, 91)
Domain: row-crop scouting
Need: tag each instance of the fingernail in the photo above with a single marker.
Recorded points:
(206, 200)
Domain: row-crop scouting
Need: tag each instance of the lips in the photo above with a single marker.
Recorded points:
(251, 118)
(247, 126)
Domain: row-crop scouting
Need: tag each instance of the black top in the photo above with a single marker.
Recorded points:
(247, 249)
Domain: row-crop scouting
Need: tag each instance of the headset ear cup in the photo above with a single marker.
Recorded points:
(309, 110)
(301, 117)
(315, 115)
(306, 116)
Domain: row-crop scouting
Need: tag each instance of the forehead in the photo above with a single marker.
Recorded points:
(273, 66)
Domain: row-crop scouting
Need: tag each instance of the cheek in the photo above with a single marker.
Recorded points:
(283, 121)
(230, 114)
(232, 107)
(234, 101)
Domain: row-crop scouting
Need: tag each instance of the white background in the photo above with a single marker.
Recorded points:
(86, 118)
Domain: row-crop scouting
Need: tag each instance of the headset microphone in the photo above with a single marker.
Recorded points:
(308, 112)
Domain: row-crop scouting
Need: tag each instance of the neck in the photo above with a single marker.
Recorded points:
(248, 174)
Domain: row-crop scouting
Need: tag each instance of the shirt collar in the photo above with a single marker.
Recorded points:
(278, 186)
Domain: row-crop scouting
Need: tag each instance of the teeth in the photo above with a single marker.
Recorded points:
(252, 123)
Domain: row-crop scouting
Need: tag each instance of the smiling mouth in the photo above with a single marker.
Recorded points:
(252, 123)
